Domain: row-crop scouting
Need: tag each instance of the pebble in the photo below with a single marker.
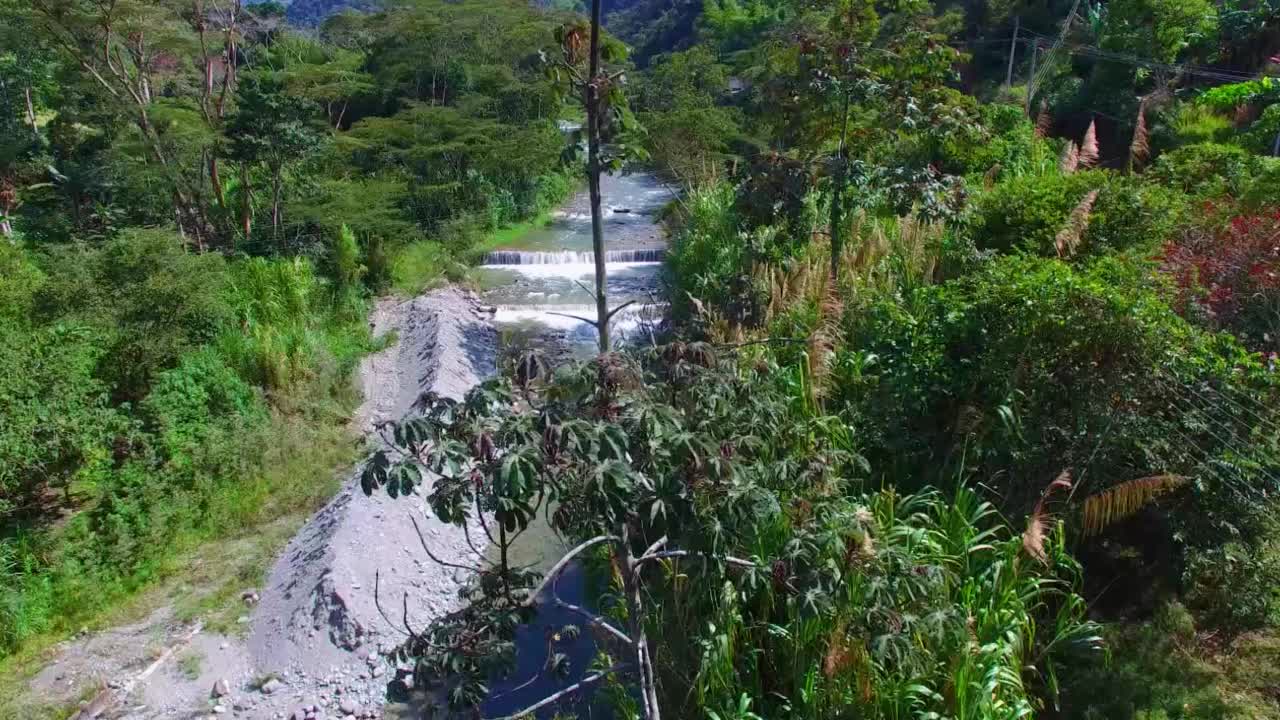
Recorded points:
(347, 706)
(271, 686)
(221, 688)
(219, 709)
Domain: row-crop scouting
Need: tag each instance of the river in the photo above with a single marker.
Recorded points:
(542, 279)
(534, 285)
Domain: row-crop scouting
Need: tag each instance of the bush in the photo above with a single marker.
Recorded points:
(1030, 367)
(150, 298)
(1026, 213)
(1204, 170)
(1227, 277)
(421, 265)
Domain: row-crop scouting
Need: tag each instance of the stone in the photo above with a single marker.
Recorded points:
(219, 709)
(221, 688)
(376, 672)
(271, 686)
(347, 706)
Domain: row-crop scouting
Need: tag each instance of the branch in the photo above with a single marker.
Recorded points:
(555, 697)
(592, 323)
(655, 547)
(595, 618)
(564, 561)
(377, 603)
(588, 290)
(615, 311)
(685, 553)
(423, 541)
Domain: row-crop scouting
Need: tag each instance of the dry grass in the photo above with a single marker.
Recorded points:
(1089, 147)
(1070, 237)
(1139, 147)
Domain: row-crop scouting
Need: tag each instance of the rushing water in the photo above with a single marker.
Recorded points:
(537, 286)
(540, 286)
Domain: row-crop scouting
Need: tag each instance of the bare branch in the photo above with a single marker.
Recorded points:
(731, 560)
(563, 562)
(423, 541)
(590, 322)
(655, 547)
(582, 684)
(616, 310)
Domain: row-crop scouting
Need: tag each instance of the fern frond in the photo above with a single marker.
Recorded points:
(1089, 147)
(1072, 234)
(1070, 159)
(1103, 509)
(1139, 147)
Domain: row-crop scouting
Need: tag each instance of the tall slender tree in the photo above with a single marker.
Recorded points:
(608, 124)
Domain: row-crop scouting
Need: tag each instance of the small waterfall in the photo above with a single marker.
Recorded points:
(571, 257)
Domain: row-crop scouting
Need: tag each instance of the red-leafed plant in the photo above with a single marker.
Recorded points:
(1227, 275)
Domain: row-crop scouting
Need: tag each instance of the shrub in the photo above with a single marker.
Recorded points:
(1227, 276)
(1204, 169)
(1030, 366)
(1026, 213)
(151, 299)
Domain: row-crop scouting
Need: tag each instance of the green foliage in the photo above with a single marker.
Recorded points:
(771, 577)
(1027, 212)
(1012, 373)
(1261, 135)
(1159, 29)
(1158, 669)
(151, 299)
(1189, 124)
(1205, 170)
(1226, 98)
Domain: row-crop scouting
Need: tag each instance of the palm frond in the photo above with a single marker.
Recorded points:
(1105, 508)
(1033, 536)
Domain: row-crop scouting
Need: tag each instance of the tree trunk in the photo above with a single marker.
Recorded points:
(837, 218)
(837, 194)
(593, 178)
(246, 202)
(215, 179)
(31, 110)
(277, 181)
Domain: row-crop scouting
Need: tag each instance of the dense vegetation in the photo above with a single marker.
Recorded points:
(916, 308)
(195, 203)
(968, 407)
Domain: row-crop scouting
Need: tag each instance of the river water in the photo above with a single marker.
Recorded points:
(534, 285)
(542, 280)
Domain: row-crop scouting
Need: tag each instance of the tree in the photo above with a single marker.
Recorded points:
(270, 127)
(599, 89)
(615, 459)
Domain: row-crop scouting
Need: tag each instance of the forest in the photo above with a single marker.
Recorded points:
(967, 404)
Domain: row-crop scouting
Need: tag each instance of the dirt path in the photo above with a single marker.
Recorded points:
(315, 640)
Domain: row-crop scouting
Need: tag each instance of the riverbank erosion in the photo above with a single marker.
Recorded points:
(311, 642)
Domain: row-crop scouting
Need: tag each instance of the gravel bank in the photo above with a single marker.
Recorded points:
(315, 640)
(316, 626)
